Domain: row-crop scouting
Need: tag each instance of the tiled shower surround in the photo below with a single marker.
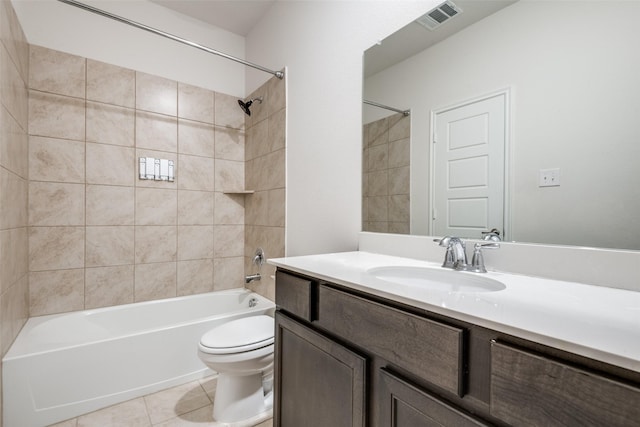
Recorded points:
(265, 175)
(98, 235)
(385, 175)
(14, 246)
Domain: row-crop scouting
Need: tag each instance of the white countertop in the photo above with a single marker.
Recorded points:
(592, 321)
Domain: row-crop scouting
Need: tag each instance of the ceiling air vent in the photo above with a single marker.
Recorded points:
(439, 15)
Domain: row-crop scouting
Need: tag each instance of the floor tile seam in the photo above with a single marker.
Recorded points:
(182, 416)
(175, 414)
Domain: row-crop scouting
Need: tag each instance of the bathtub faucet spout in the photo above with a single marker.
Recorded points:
(251, 277)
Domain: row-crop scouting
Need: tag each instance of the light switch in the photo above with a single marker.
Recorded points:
(549, 178)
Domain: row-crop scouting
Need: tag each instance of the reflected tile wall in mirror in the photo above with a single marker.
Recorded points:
(385, 175)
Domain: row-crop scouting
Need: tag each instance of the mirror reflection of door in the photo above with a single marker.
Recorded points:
(468, 167)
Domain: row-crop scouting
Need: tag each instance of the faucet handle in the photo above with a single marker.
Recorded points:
(259, 257)
(492, 245)
(477, 262)
(444, 242)
(492, 235)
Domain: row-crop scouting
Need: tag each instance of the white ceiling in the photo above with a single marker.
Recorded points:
(415, 38)
(241, 16)
(236, 16)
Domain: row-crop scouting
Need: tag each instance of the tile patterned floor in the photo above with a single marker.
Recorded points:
(186, 405)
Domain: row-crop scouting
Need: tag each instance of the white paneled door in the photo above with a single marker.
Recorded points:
(468, 168)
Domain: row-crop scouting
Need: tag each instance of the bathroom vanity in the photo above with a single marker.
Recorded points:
(353, 349)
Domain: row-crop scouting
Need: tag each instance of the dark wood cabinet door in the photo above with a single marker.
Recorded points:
(404, 405)
(529, 389)
(318, 383)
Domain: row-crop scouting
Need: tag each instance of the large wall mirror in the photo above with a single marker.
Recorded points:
(568, 73)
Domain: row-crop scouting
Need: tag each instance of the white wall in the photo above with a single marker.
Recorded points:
(69, 29)
(584, 53)
(321, 43)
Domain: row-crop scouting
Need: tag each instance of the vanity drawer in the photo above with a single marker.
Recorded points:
(529, 389)
(429, 349)
(295, 295)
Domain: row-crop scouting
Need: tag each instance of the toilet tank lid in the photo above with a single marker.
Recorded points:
(240, 332)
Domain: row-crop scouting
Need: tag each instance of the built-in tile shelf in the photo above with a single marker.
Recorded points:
(239, 192)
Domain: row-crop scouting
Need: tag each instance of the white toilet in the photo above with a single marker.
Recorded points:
(241, 352)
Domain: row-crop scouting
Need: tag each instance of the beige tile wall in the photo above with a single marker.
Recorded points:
(99, 236)
(14, 244)
(265, 174)
(385, 177)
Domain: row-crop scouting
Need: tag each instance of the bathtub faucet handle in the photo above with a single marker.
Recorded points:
(259, 257)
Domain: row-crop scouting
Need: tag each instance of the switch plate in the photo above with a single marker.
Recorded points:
(549, 178)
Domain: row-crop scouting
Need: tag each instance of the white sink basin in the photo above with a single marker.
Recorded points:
(436, 280)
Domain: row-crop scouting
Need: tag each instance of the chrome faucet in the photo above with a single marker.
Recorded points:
(492, 236)
(456, 254)
(251, 277)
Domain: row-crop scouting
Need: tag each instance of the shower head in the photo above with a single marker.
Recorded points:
(245, 105)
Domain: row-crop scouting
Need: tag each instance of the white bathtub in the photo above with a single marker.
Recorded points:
(61, 366)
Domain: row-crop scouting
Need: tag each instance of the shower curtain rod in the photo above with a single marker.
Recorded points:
(386, 107)
(278, 74)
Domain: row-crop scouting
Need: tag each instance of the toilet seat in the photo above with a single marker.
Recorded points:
(240, 335)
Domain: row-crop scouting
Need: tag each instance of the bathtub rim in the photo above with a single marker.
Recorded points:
(35, 321)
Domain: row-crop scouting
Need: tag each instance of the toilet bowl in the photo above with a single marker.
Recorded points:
(241, 352)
